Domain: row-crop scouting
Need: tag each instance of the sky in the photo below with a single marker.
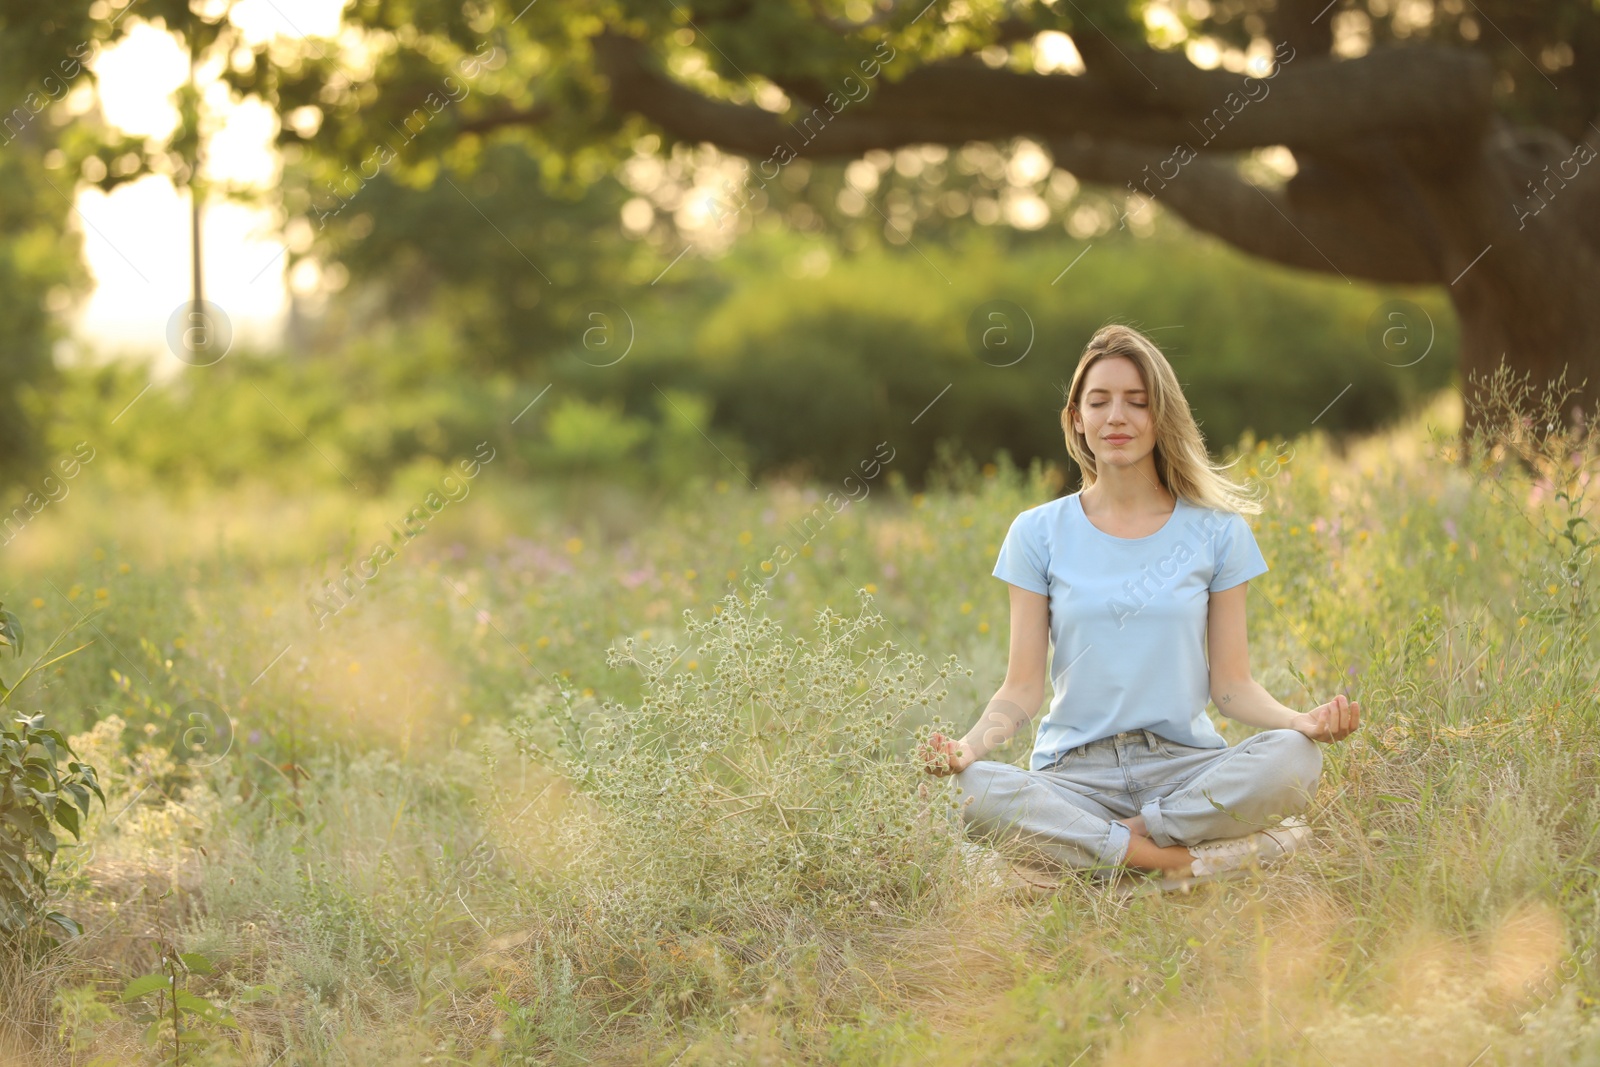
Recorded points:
(136, 239)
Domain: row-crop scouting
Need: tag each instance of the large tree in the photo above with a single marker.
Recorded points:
(1435, 142)
(1439, 142)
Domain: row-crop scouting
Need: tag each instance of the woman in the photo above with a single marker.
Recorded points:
(1131, 578)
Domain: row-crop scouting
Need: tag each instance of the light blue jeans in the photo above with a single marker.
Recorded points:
(1065, 814)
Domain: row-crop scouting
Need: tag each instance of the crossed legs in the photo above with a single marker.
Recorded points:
(1061, 818)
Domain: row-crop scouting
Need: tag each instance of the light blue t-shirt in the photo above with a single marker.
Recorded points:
(1127, 618)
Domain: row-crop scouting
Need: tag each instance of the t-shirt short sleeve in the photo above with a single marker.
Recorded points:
(1239, 558)
(1024, 555)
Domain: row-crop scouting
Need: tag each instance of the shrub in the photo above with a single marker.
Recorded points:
(34, 793)
(780, 777)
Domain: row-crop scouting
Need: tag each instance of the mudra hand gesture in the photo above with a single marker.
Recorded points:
(941, 756)
(1333, 721)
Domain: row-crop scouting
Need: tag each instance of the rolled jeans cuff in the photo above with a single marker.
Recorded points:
(1114, 849)
(1155, 827)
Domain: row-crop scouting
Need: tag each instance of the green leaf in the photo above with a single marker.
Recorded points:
(198, 1005)
(67, 816)
(196, 962)
(66, 923)
(144, 986)
(11, 635)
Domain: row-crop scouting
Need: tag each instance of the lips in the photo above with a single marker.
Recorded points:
(1119, 439)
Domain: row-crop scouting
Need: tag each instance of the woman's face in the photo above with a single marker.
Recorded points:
(1114, 413)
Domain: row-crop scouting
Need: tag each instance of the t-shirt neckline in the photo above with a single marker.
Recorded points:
(1077, 505)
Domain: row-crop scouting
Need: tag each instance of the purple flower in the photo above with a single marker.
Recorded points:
(1450, 528)
(255, 737)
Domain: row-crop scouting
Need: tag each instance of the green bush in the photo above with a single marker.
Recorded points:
(813, 373)
(34, 795)
(784, 765)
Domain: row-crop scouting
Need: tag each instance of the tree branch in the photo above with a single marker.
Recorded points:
(1437, 96)
(1318, 221)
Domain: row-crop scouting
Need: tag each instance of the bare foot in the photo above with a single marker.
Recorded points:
(1145, 855)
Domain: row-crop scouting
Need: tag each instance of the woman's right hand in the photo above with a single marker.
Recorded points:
(942, 756)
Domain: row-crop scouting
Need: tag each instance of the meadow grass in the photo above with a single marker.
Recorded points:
(511, 804)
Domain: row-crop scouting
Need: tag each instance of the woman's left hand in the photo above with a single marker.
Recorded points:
(1333, 721)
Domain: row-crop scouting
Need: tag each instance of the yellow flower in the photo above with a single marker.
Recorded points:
(766, 566)
(102, 593)
(543, 642)
(646, 634)
(690, 574)
(1294, 531)
(466, 718)
(967, 521)
(588, 692)
(75, 592)
(805, 550)
(178, 642)
(1362, 536)
(732, 574)
(574, 545)
(123, 568)
(99, 554)
(966, 607)
(693, 664)
(1551, 589)
(983, 626)
(355, 668)
(1523, 621)
(745, 537)
(38, 601)
(1432, 661)
(1451, 548)
(872, 588)
(267, 611)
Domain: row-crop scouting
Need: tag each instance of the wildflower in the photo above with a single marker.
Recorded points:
(123, 568)
(966, 607)
(38, 602)
(355, 668)
(466, 718)
(574, 545)
(745, 537)
(543, 642)
(983, 626)
(102, 593)
(871, 587)
(99, 554)
(689, 575)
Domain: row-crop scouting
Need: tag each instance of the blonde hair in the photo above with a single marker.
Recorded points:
(1182, 462)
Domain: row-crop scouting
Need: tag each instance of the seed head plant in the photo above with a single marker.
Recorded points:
(782, 775)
